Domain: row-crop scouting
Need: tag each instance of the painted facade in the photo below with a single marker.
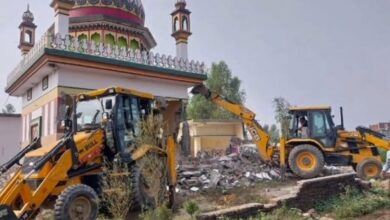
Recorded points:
(62, 64)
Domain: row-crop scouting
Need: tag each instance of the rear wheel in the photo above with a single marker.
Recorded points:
(369, 169)
(306, 161)
(77, 202)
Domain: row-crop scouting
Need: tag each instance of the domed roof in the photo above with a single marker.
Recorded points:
(28, 15)
(125, 10)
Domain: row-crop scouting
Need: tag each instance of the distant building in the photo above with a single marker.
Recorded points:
(97, 44)
(213, 135)
(382, 127)
(10, 136)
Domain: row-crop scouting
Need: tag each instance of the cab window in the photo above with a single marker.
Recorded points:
(319, 125)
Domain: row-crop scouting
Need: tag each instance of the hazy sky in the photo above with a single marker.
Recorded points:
(328, 52)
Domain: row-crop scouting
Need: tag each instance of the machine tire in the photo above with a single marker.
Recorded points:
(306, 161)
(81, 195)
(369, 169)
(143, 197)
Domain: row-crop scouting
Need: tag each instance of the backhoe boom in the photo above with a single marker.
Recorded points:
(260, 137)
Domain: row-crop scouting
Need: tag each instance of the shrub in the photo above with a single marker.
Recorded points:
(116, 189)
(191, 208)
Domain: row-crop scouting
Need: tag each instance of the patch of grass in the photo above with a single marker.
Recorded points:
(191, 208)
(161, 213)
(282, 213)
(354, 203)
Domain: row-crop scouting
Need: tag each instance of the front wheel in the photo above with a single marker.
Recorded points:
(306, 161)
(369, 169)
(77, 202)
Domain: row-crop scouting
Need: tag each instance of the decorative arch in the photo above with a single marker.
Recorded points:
(109, 39)
(96, 37)
(184, 24)
(134, 44)
(176, 24)
(122, 42)
(28, 36)
(82, 37)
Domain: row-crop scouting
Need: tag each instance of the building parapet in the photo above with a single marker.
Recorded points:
(83, 46)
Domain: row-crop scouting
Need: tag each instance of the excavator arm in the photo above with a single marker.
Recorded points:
(375, 138)
(260, 137)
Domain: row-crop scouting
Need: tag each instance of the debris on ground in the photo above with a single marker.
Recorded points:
(223, 171)
(243, 168)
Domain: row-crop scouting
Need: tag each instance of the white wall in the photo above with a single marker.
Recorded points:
(10, 136)
(37, 91)
(96, 80)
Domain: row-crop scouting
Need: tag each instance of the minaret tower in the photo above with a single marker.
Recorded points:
(181, 28)
(27, 32)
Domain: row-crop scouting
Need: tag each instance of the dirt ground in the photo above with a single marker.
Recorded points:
(217, 199)
(383, 214)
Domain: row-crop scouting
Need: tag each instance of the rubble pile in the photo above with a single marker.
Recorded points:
(224, 172)
(243, 167)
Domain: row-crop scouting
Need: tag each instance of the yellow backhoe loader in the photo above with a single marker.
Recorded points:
(322, 142)
(101, 126)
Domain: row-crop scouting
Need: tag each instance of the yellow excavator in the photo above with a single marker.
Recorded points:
(101, 126)
(306, 153)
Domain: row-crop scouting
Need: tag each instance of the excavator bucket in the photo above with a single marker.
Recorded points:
(201, 90)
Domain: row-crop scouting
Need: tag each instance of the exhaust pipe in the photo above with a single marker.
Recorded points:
(342, 117)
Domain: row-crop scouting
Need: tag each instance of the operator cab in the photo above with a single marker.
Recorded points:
(116, 110)
(313, 123)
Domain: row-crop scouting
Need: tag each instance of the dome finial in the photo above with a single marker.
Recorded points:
(28, 16)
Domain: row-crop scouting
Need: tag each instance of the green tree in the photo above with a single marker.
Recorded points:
(281, 106)
(221, 81)
(273, 132)
(9, 109)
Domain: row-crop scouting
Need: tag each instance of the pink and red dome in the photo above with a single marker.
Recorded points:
(131, 11)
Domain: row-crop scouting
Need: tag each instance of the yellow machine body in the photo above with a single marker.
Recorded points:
(306, 156)
(48, 170)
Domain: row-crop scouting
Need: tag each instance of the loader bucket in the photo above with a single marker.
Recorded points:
(201, 90)
(6, 213)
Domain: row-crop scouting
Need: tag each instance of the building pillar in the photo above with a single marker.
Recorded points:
(197, 146)
(182, 50)
(61, 16)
